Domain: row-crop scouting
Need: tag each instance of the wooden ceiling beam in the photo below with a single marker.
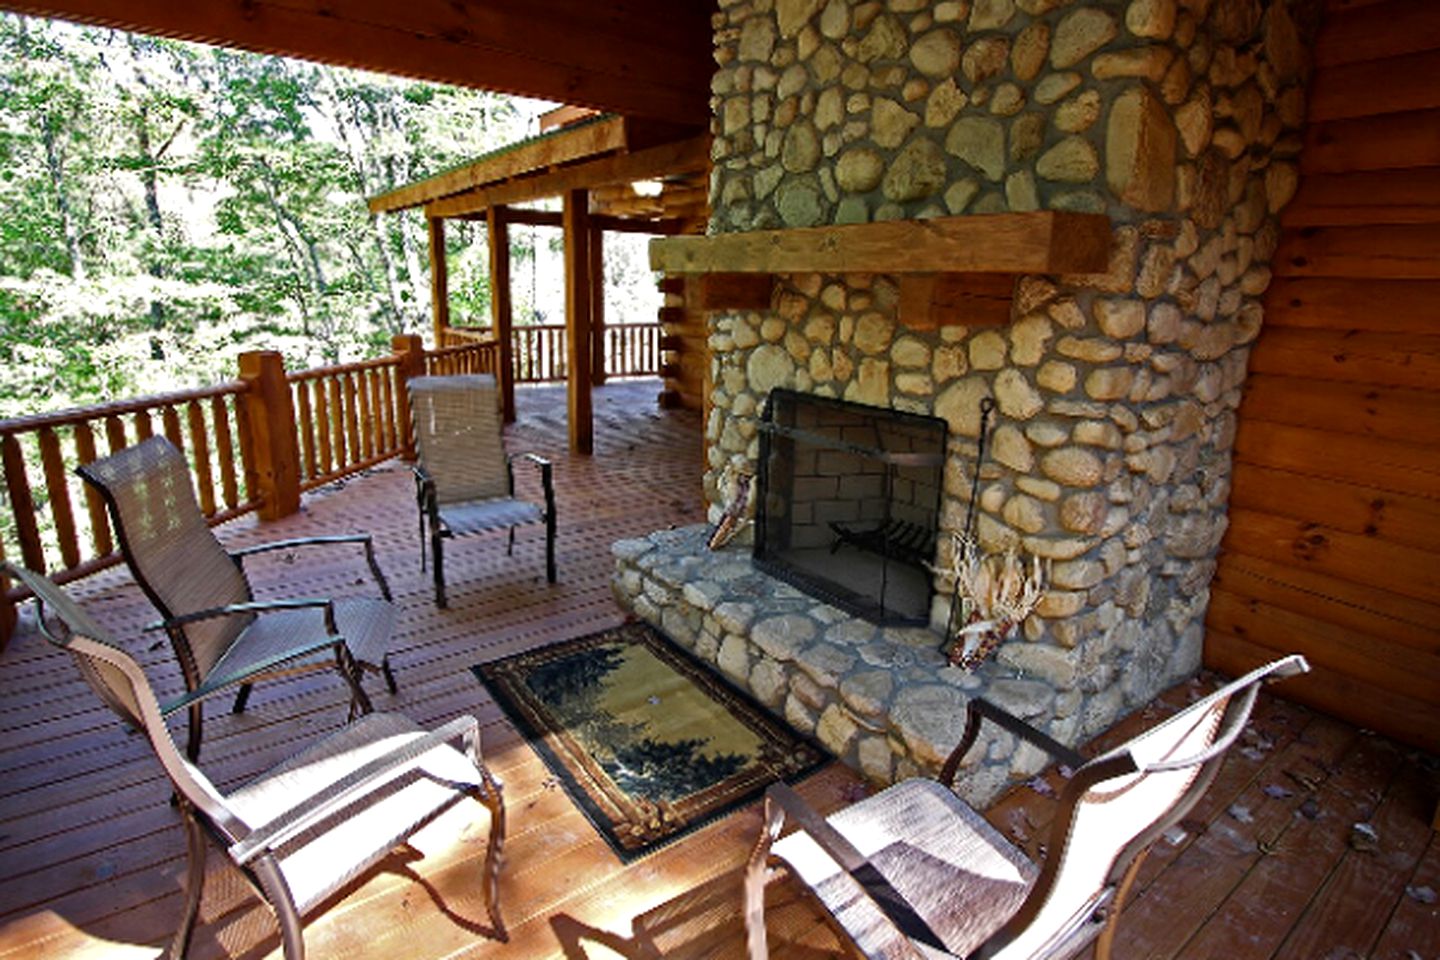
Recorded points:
(683, 156)
(646, 58)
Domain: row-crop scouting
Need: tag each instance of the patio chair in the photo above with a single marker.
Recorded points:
(914, 872)
(464, 480)
(317, 822)
(221, 634)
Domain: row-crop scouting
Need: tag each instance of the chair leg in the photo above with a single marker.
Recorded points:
(277, 892)
(437, 548)
(353, 673)
(192, 740)
(389, 676)
(242, 698)
(510, 547)
(194, 883)
(494, 857)
(1106, 939)
(550, 549)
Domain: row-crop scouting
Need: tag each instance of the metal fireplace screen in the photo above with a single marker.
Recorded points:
(849, 503)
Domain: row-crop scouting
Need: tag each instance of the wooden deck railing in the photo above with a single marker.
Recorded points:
(631, 349)
(253, 444)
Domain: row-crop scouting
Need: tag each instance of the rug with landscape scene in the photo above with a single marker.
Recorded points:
(649, 743)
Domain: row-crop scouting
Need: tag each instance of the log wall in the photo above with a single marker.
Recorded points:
(1333, 548)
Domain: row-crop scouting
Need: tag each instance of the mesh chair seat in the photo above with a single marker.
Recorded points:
(945, 859)
(269, 643)
(325, 859)
(481, 515)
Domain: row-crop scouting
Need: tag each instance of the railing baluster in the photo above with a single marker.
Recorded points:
(307, 428)
(59, 493)
(144, 426)
(322, 423)
(362, 391)
(200, 449)
(171, 419)
(225, 448)
(115, 433)
(94, 503)
(22, 504)
(352, 426)
(337, 423)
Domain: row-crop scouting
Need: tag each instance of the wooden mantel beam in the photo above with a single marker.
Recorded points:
(648, 58)
(1050, 241)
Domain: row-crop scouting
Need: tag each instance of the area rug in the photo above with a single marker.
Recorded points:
(649, 743)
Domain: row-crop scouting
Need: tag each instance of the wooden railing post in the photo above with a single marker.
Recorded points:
(275, 449)
(411, 351)
(7, 607)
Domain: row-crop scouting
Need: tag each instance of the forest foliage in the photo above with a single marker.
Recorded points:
(169, 205)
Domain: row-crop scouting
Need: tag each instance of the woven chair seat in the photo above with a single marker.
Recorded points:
(477, 516)
(327, 858)
(269, 642)
(948, 863)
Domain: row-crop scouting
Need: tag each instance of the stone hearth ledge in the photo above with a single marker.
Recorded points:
(882, 699)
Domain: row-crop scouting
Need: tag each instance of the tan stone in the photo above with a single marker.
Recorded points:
(917, 172)
(1032, 293)
(1028, 337)
(1021, 194)
(1027, 133)
(1007, 100)
(890, 122)
(841, 366)
(1177, 81)
(835, 19)
(1281, 182)
(1038, 8)
(1120, 319)
(1083, 512)
(768, 367)
(1032, 46)
(1109, 383)
(872, 384)
(801, 150)
(1047, 490)
(1058, 604)
(1073, 467)
(1009, 448)
(1091, 350)
(991, 14)
(985, 58)
(980, 142)
(1080, 34)
(1067, 313)
(859, 170)
(915, 384)
(1148, 62)
(1140, 151)
(1157, 271)
(885, 41)
(1078, 113)
(1097, 433)
(944, 104)
(1057, 376)
(1154, 19)
(949, 363)
(959, 194)
(1047, 434)
(873, 332)
(1049, 548)
(987, 350)
(1283, 46)
(1024, 514)
(757, 39)
(1055, 86)
(1014, 395)
(1072, 160)
(959, 405)
(910, 351)
(820, 367)
(937, 53)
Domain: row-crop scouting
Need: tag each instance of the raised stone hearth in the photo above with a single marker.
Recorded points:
(883, 699)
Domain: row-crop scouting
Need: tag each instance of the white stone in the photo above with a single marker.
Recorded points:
(987, 351)
(1015, 396)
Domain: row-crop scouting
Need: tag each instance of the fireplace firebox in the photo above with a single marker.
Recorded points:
(848, 503)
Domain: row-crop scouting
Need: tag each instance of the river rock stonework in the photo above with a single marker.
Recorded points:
(1116, 393)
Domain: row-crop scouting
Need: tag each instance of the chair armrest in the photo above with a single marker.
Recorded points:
(977, 711)
(782, 801)
(364, 539)
(364, 780)
(547, 477)
(254, 606)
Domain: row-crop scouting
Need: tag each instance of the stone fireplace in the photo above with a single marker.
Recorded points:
(1115, 391)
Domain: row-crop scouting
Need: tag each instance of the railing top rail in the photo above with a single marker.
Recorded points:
(317, 373)
(74, 415)
(460, 348)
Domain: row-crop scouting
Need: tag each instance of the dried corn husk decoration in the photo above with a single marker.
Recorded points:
(997, 591)
(734, 519)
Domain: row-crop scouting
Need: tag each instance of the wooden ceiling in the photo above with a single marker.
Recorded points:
(643, 58)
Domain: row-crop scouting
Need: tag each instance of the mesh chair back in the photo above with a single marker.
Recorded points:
(118, 681)
(1173, 764)
(170, 548)
(458, 436)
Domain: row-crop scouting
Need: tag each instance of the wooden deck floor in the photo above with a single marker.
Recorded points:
(91, 853)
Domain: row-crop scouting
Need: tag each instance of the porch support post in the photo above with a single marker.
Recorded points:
(270, 417)
(578, 299)
(597, 306)
(410, 350)
(501, 310)
(439, 280)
